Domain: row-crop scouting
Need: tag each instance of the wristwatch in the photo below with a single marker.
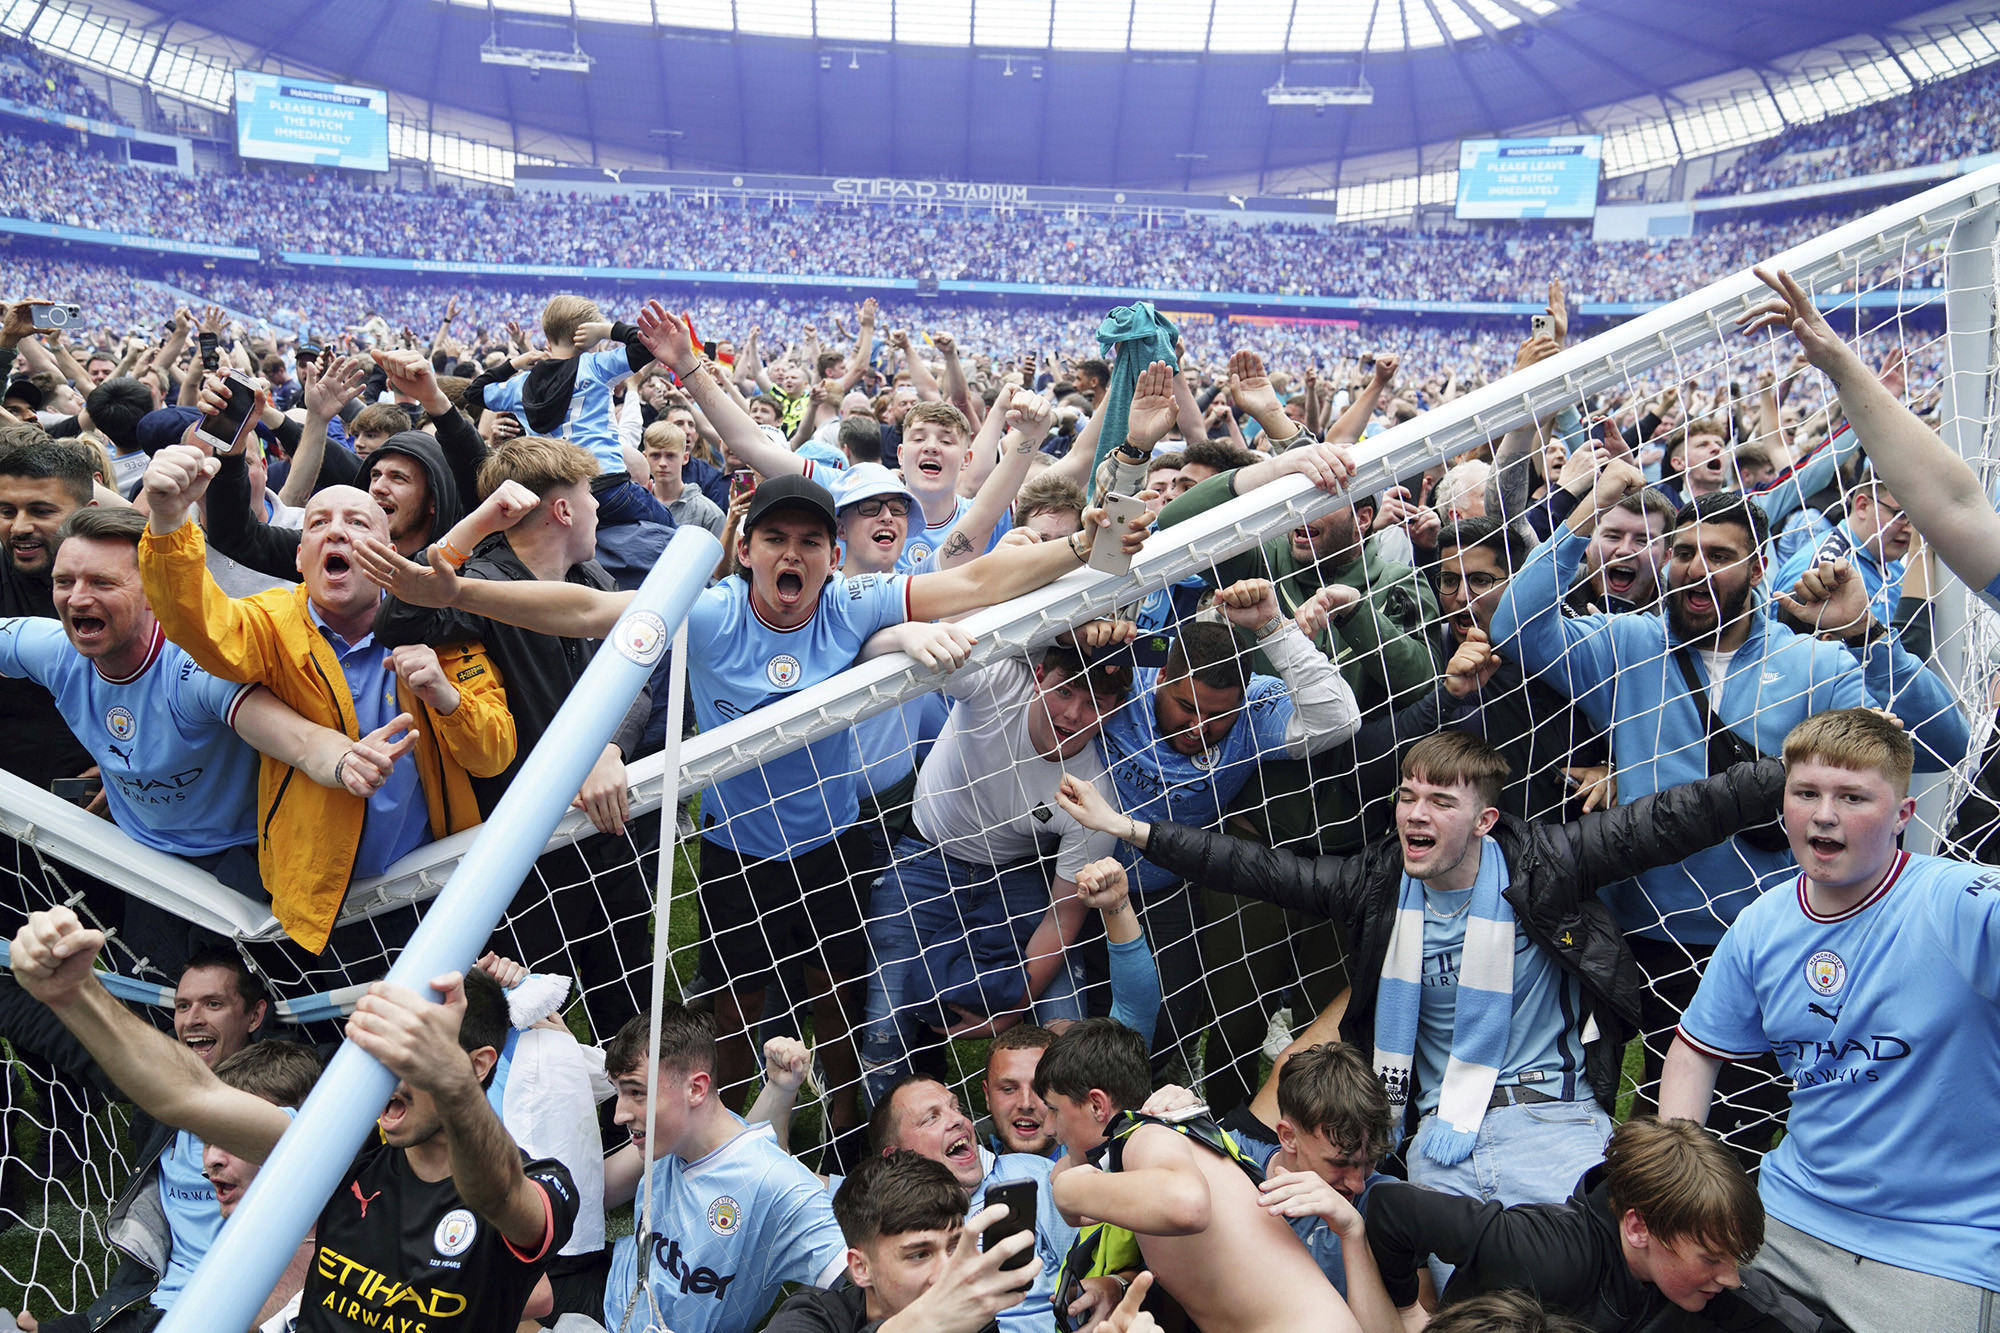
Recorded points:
(1270, 627)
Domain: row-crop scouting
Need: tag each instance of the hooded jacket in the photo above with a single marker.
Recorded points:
(1622, 672)
(307, 835)
(451, 466)
(1554, 873)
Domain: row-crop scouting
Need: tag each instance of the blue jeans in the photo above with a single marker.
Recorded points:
(1524, 1154)
(947, 932)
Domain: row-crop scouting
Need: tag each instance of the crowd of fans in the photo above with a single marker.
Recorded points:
(33, 79)
(1315, 777)
(1527, 815)
(275, 213)
(1938, 122)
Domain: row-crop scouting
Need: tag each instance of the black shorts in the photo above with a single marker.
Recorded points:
(577, 1280)
(757, 915)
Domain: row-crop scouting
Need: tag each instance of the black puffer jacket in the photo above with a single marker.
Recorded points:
(1568, 1254)
(1554, 873)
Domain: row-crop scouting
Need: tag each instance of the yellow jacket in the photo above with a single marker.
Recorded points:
(308, 834)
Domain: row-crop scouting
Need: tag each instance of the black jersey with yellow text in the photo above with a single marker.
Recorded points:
(396, 1254)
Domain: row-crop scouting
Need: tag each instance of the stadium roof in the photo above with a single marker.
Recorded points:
(1126, 93)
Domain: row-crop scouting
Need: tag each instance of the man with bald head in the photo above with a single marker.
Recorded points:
(314, 646)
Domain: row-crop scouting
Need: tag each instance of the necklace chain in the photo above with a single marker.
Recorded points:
(1463, 908)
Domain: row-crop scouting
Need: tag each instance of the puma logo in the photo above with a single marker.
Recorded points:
(355, 1185)
(1833, 1017)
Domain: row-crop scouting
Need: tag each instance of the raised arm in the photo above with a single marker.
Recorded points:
(418, 1041)
(53, 958)
(921, 378)
(1936, 488)
(955, 391)
(1348, 426)
(667, 338)
(326, 392)
(864, 346)
(1027, 417)
(985, 455)
(1135, 977)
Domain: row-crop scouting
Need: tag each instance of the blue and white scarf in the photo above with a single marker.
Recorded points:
(1484, 1019)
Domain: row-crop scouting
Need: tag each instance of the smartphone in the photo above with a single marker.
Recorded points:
(1106, 557)
(225, 428)
(80, 790)
(1150, 650)
(741, 483)
(211, 359)
(57, 315)
(1019, 1196)
(708, 350)
(1185, 1114)
(1543, 326)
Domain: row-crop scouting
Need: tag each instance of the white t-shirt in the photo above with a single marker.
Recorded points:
(986, 796)
(1718, 668)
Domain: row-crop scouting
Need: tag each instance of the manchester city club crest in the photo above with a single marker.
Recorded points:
(725, 1215)
(1825, 973)
(120, 723)
(782, 671)
(454, 1232)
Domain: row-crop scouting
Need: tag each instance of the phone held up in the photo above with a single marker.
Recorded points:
(58, 315)
(1106, 555)
(1019, 1196)
(224, 430)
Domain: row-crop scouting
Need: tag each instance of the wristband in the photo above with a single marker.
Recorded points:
(451, 553)
(1076, 550)
(340, 764)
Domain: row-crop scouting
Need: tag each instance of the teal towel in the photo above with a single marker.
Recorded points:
(1146, 336)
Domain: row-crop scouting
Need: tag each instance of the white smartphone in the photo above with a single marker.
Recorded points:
(1542, 326)
(1106, 556)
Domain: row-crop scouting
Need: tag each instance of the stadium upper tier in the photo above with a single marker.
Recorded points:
(1940, 122)
(281, 216)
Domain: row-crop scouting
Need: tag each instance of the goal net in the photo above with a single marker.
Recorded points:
(1912, 284)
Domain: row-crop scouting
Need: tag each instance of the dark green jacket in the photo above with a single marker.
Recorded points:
(1381, 647)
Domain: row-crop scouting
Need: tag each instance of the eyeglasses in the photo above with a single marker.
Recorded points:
(1478, 580)
(874, 508)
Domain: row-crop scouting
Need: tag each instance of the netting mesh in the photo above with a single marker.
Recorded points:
(905, 941)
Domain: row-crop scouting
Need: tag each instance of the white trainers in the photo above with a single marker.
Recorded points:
(1279, 1035)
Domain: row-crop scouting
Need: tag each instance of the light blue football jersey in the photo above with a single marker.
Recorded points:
(1886, 1017)
(1159, 784)
(924, 539)
(1053, 1236)
(800, 800)
(589, 422)
(176, 775)
(726, 1232)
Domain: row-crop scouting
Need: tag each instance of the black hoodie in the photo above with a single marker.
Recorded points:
(450, 462)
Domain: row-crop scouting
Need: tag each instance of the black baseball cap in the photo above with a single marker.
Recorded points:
(790, 491)
(26, 391)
